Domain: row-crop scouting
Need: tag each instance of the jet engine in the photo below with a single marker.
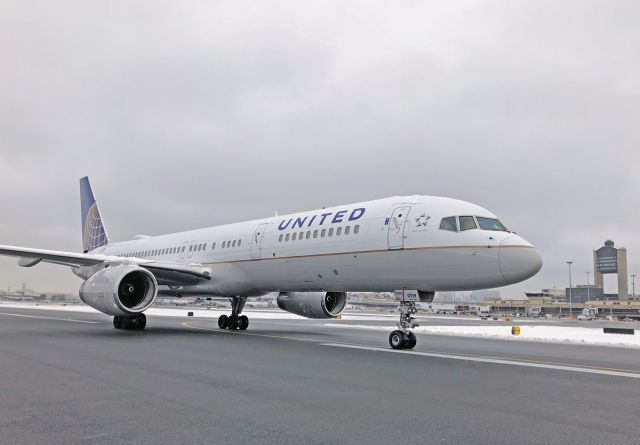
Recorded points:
(313, 304)
(120, 290)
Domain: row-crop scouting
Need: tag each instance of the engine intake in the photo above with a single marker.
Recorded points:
(120, 290)
(313, 304)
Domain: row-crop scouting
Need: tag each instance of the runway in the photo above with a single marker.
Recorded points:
(69, 377)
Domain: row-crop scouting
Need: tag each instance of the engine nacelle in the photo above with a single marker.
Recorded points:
(313, 304)
(120, 290)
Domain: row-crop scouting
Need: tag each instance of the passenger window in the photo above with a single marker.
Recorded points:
(467, 223)
(356, 229)
(330, 232)
(280, 237)
(348, 229)
(309, 234)
(294, 236)
(213, 246)
(323, 232)
(339, 231)
(315, 233)
(239, 241)
(286, 238)
(224, 244)
(301, 236)
(449, 223)
(234, 243)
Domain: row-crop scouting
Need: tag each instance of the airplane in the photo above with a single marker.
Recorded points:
(410, 245)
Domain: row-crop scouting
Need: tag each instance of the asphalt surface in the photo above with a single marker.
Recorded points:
(71, 378)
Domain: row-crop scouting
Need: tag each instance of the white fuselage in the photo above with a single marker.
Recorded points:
(382, 245)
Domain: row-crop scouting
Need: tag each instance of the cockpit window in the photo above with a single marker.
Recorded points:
(490, 224)
(467, 223)
(449, 223)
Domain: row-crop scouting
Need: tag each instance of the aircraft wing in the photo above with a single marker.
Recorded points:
(166, 273)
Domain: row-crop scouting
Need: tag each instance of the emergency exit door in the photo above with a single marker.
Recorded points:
(396, 227)
(256, 241)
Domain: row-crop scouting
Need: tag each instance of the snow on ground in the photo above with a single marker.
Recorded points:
(264, 314)
(541, 333)
(538, 332)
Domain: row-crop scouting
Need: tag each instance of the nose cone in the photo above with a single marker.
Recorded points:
(519, 259)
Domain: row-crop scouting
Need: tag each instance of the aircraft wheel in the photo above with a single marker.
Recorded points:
(397, 339)
(117, 322)
(243, 322)
(232, 323)
(223, 321)
(411, 341)
(140, 322)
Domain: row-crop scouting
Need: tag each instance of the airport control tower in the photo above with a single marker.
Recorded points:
(609, 259)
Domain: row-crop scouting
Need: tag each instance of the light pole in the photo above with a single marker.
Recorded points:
(588, 281)
(633, 284)
(570, 263)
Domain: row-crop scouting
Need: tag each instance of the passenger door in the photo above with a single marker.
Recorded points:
(396, 227)
(183, 250)
(256, 240)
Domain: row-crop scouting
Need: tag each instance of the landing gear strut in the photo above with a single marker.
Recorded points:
(130, 322)
(235, 320)
(403, 338)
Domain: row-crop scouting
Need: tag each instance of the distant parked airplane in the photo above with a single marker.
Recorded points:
(412, 244)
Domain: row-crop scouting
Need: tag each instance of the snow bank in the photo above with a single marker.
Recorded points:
(541, 333)
(264, 314)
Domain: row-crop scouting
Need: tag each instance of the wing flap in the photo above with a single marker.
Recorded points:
(172, 274)
(53, 256)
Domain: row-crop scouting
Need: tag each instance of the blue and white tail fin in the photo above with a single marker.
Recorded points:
(94, 234)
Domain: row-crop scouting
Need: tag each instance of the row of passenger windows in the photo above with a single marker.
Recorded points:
(155, 252)
(315, 233)
(462, 223)
(181, 249)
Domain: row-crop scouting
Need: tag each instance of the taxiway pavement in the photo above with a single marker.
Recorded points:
(69, 377)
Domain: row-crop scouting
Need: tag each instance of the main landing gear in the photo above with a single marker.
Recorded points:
(235, 320)
(130, 322)
(403, 338)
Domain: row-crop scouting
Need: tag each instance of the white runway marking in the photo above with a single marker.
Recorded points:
(610, 372)
(51, 318)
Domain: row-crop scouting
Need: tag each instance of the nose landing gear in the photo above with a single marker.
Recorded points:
(403, 338)
(235, 320)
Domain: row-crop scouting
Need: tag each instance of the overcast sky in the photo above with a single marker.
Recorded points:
(189, 114)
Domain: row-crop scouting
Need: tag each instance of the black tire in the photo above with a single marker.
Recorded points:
(125, 323)
(222, 321)
(141, 322)
(232, 323)
(243, 322)
(117, 322)
(397, 339)
(411, 341)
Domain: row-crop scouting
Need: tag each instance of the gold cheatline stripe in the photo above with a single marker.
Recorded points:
(367, 251)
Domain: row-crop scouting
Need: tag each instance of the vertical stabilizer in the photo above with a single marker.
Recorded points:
(94, 234)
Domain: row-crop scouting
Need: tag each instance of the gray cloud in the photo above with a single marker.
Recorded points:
(198, 113)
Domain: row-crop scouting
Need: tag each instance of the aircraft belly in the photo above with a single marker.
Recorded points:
(424, 269)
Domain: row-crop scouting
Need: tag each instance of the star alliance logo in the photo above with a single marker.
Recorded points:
(422, 220)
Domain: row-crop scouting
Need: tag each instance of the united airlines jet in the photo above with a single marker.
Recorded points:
(413, 245)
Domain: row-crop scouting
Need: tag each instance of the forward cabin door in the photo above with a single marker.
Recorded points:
(256, 240)
(396, 230)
